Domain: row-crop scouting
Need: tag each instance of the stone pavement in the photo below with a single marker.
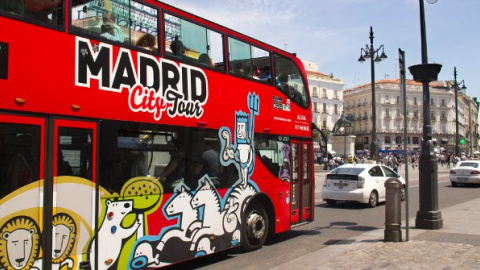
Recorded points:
(455, 246)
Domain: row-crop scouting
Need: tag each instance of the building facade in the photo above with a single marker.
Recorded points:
(390, 116)
(326, 97)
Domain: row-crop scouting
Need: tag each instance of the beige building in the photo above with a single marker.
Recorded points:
(326, 96)
(390, 115)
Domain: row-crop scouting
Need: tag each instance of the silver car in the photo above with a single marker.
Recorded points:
(364, 183)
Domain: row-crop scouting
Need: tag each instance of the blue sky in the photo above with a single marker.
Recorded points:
(331, 33)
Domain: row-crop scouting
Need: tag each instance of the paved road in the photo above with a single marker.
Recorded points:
(332, 224)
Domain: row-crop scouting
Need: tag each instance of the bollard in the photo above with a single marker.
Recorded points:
(393, 210)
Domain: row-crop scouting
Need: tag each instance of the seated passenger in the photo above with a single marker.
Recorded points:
(266, 75)
(177, 47)
(174, 173)
(290, 91)
(204, 59)
(110, 29)
(147, 41)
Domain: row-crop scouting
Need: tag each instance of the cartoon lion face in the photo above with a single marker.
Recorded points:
(19, 243)
(65, 231)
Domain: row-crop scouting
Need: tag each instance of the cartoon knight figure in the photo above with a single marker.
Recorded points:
(242, 151)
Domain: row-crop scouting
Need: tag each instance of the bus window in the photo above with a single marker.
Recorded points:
(43, 11)
(289, 80)
(19, 156)
(274, 152)
(74, 155)
(144, 30)
(127, 21)
(193, 43)
(250, 61)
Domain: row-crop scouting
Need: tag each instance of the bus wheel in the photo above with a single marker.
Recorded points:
(255, 227)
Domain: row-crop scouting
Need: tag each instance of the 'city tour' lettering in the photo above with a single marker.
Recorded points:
(155, 85)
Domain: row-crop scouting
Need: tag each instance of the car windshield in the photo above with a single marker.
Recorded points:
(350, 171)
(469, 164)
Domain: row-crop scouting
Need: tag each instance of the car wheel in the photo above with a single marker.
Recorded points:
(331, 202)
(255, 227)
(454, 184)
(403, 195)
(373, 199)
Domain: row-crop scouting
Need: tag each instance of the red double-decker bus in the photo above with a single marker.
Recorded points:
(135, 135)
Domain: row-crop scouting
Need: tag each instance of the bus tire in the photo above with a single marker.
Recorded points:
(255, 227)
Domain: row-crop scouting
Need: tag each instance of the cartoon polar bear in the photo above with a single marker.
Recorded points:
(111, 235)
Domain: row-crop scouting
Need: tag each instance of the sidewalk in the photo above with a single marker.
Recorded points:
(455, 246)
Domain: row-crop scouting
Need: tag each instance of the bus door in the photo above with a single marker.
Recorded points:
(301, 190)
(22, 145)
(74, 190)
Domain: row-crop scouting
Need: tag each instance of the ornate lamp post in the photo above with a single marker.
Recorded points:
(428, 217)
(456, 88)
(370, 52)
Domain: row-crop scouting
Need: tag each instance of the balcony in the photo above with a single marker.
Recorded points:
(443, 118)
(386, 102)
(388, 116)
(433, 118)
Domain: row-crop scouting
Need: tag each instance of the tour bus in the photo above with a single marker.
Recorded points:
(134, 135)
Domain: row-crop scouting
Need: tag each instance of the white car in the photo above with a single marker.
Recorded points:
(364, 183)
(466, 172)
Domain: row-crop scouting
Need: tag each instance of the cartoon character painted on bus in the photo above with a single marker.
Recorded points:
(205, 221)
(284, 172)
(20, 241)
(124, 220)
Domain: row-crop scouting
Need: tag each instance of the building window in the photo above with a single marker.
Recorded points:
(415, 140)
(315, 92)
(387, 139)
(324, 124)
(415, 101)
(335, 108)
(398, 100)
(324, 107)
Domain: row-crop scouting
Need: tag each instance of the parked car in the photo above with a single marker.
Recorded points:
(364, 183)
(466, 172)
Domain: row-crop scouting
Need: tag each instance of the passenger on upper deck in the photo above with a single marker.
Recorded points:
(177, 47)
(110, 29)
(204, 59)
(266, 75)
(147, 41)
(290, 91)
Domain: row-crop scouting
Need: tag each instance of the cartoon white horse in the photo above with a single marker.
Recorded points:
(213, 215)
(188, 216)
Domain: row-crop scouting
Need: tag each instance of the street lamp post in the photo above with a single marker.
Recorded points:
(455, 88)
(370, 52)
(428, 216)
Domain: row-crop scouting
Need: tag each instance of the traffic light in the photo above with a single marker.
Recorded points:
(462, 141)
